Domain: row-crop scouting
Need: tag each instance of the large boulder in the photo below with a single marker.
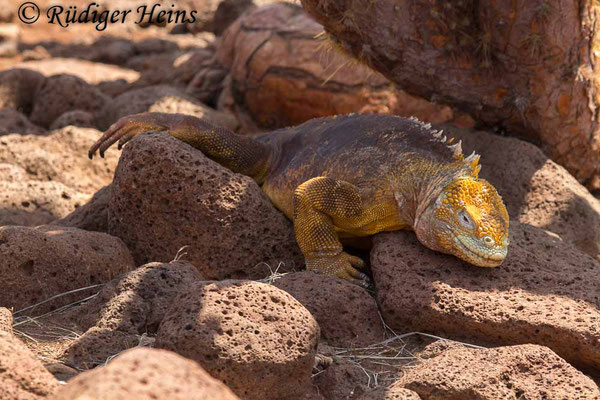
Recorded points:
(281, 74)
(60, 156)
(61, 93)
(545, 292)
(346, 313)
(255, 338)
(22, 375)
(536, 190)
(230, 227)
(528, 68)
(515, 372)
(39, 263)
(146, 374)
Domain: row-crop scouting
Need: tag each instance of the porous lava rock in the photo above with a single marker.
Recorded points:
(60, 156)
(126, 310)
(32, 203)
(22, 375)
(255, 338)
(513, 372)
(146, 374)
(347, 314)
(230, 227)
(97, 345)
(42, 262)
(91, 216)
(61, 93)
(545, 292)
(341, 380)
(138, 301)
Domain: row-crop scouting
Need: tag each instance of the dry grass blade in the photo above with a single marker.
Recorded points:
(274, 274)
(383, 362)
(57, 297)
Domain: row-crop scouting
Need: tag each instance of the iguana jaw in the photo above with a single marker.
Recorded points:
(477, 255)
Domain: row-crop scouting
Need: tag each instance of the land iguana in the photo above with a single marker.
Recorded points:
(353, 176)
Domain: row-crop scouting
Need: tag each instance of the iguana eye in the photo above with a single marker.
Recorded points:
(465, 220)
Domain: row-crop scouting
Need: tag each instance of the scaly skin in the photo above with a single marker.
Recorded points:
(353, 176)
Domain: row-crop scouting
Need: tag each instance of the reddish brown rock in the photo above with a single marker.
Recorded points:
(12, 121)
(97, 346)
(347, 314)
(137, 302)
(545, 292)
(61, 93)
(391, 393)
(528, 68)
(6, 320)
(42, 262)
(19, 88)
(22, 375)
(536, 190)
(255, 338)
(127, 308)
(91, 216)
(60, 156)
(282, 75)
(32, 203)
(160, 98)
(76, 118)
(230, 227)
(146, 374)
(341, 380)
(515, 372)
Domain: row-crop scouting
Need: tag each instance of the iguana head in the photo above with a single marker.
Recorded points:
(469, 220)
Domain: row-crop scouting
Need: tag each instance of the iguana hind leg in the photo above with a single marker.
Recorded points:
(236, 152)
(319, 205)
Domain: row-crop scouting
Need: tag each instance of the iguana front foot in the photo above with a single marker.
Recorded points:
(342, 265)
(127, 127)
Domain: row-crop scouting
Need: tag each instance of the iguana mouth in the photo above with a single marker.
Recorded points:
(478, 258)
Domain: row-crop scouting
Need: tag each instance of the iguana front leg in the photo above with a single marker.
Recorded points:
(238, 153)
(321, 204)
